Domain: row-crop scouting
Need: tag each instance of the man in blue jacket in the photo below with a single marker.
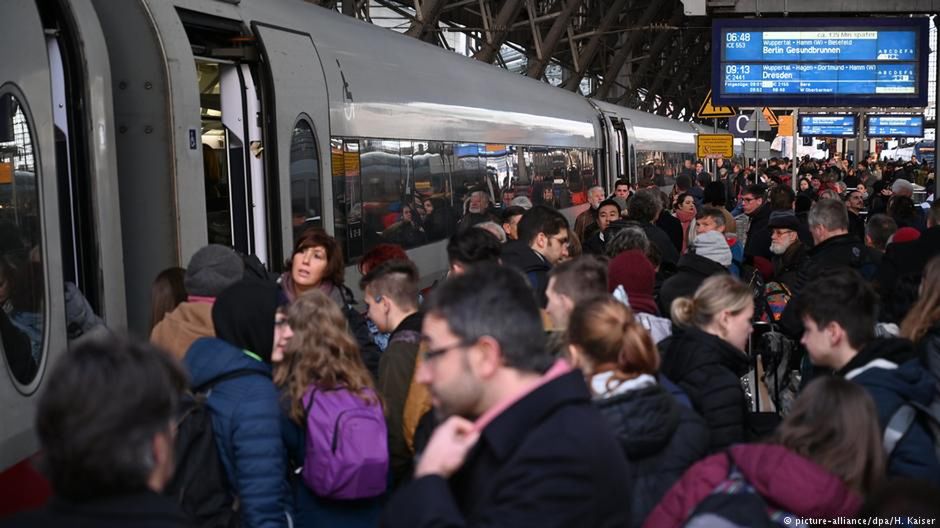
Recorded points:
(522, 445)
(838, 311)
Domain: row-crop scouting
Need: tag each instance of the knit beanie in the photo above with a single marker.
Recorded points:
(211, 270)
(712, 245)
(905, 234)
(632, 270)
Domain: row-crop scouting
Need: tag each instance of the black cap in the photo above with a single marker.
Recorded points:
(784, 220)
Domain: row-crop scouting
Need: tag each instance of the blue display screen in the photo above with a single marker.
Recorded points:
(827, 125)
(895, 126)
(820, 62)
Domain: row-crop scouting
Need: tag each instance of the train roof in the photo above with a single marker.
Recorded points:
(383, 84)
(653, 132)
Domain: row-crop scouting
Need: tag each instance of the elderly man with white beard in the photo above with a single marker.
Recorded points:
(789, 253)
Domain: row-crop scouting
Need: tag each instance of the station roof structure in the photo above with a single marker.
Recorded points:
(652, 55)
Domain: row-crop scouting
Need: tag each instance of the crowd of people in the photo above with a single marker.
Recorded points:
(732, 353)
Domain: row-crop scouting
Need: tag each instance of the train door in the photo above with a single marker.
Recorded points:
(629, 150)
(32, 322)
(299, 127)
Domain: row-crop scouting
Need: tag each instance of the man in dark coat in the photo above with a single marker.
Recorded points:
(838, 312)
(543, 241)
(645, 208)
(835, 248)
(758, 233)
(854, 203)
(789, 252)
(536, 453)
(108, 471)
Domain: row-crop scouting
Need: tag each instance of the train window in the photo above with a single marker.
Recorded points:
(21, 268)
(389, 211)
(432, 185)
(347, 202)
(306, 203)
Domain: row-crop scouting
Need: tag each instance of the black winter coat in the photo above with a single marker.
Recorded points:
(517, 254)
(907, 258)
(758, 235)
(836, 252)
(549, 460)
(709, 370)
(660, 438)
(787, 266)
(672, 227)
(692, 272)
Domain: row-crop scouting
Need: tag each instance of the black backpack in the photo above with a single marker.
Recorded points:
(199, 483)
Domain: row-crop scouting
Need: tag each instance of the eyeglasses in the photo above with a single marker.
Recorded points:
(430, 354)
(561, 240)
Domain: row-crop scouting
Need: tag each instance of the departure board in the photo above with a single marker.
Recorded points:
(895, 126)
(820, 62)
(827, 125)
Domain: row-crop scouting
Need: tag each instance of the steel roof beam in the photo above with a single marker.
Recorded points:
(659, 43)
(427, 14)
(588, 52)
(620, 58)
(536, 68)
(669, 66)
(499, 31)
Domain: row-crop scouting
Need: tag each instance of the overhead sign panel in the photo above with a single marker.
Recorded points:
(895, 126)
(820, 62)
(713, 146)
(831, 125)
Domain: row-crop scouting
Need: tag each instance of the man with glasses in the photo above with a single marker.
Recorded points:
(543, 242)
(521, 444)
(757, 242)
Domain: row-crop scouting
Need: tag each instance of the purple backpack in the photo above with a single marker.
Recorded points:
(346, 446)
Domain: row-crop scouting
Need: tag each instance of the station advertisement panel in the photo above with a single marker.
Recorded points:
(814, 62)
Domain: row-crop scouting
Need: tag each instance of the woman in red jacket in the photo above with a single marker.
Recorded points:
(822, 460)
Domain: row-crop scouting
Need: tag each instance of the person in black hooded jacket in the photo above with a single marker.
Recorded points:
(660, 437)
(705, 355)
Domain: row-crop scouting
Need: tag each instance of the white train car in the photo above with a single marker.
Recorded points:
(140, 130)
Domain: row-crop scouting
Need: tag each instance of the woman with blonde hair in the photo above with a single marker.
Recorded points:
(322, 371)
(705, 355)
(823, 459)
(660, 437)
(922, 324)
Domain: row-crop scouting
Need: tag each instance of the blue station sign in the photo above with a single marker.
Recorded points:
(828, 125)
(820, 62)
(895, 126)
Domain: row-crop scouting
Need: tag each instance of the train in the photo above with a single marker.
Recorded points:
(132, 133)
